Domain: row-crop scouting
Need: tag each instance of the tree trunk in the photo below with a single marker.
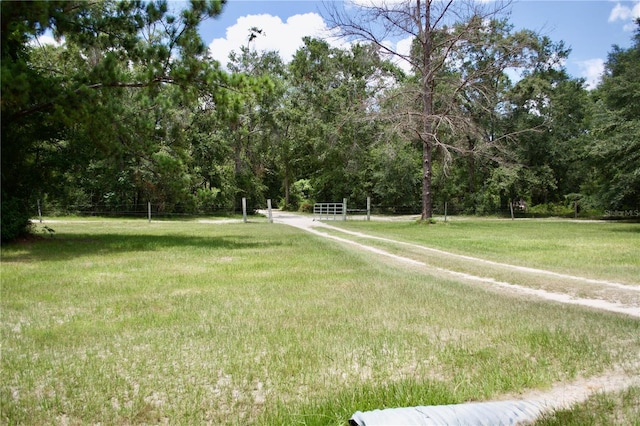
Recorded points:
(426, 181)
(471, 165)
(426, 38)
(287, 190)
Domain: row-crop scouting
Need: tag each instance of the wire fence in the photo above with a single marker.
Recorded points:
(151, 210)
(438, 209)
(131, 211)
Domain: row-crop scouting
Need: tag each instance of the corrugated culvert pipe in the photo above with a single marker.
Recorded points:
(472, 414)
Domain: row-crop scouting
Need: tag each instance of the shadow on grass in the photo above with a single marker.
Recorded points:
(629, 228)
(64, 247)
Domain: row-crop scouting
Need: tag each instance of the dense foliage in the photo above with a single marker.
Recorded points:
(129, 107)
(96, 115)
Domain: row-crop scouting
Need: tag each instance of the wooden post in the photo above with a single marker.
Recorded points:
(149, 210)
(269, 210)
(445, 211)
(244, 209)
(368, 208)
(511, 207)
(344, 209)
(39, 212)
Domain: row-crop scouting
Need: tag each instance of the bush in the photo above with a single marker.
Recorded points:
(298, 196)
(207, 199)
(551, 209)
(14, 219)
(306, 207)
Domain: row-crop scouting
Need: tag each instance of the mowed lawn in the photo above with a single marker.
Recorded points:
(179, 322)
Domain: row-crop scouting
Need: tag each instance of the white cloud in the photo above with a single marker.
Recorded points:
(619, 12)
(284, 37)
(376, 3)
(402, 47)
(591, 70)
(46, 39)
(626, 12)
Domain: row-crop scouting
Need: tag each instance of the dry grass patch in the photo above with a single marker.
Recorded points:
(275, 326)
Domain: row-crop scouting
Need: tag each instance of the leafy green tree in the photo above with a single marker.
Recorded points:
(110, 47)
(548, 119)
(210, 153)
(255, 126)
(333, 93)
(458, 58)
(395, 173)
(475, 100)
(615, 149)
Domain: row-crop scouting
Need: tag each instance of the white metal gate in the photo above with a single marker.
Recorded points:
(328, 211)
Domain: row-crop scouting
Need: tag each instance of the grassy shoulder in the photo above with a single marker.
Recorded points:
(135, 322)
(601, 250)
(619, 408)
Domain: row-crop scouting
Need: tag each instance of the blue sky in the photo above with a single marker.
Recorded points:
(589, 28)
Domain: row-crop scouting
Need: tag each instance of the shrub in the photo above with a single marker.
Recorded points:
(551, 209)
(207, 199)
(14, 219)
(306, 206)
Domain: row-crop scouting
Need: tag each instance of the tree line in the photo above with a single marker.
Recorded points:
(130, 108)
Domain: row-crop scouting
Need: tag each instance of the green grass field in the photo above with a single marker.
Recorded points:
(601, 250)
(129, 322)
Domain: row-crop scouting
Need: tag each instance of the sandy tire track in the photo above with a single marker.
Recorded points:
(633, 309)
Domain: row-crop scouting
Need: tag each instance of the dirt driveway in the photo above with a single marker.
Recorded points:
(598, 294)
(549, 285)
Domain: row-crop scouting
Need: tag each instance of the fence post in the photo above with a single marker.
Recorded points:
(368, 208)
(344, 209)
(149, 210)
(244, 209)
(511, 207)
(445, 211)
(269, 210)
